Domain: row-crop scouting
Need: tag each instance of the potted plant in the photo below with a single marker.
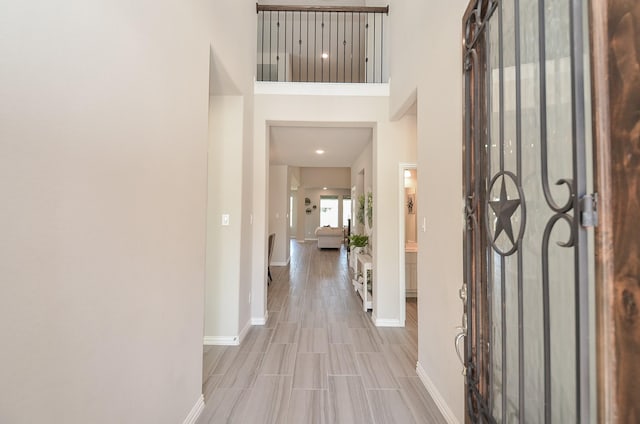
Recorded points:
(358, 241)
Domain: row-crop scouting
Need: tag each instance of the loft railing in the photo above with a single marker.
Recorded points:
(321, 44)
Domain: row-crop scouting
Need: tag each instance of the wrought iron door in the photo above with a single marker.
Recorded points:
(526, 324)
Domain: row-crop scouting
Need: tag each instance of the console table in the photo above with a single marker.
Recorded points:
(363, 271)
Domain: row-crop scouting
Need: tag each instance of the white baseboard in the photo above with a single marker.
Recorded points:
(221, 341)
(260, 321)
(195, 412)
(387, 322)
(227, 340)
(442, 405)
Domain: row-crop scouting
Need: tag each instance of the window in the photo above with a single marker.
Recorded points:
(346, 210)
(329, 211)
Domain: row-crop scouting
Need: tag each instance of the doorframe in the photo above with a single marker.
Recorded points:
(402, 240)
(617, 267)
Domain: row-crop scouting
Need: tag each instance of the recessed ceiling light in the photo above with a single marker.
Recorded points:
(325, 55)
(324, 188)
(320, 151)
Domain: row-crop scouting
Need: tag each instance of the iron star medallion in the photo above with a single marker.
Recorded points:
(504, 208)
(509, 215)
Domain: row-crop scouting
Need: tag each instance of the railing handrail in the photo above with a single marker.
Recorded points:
(353, 9)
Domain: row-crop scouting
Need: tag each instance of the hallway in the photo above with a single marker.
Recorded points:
(319, 359)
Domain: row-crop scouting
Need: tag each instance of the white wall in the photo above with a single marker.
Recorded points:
(325, 177)
(301, 215)
(233, 27)
(233, 43)
(407, 31)
(278, 212)
(312, 179)
(246, 217)
(103, 147)
(433, 71)
(364, 162)
(294, 177)
(224, 197)
(395, 143)
(312, 220)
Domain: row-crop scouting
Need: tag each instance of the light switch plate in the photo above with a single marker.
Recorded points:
(225, 219)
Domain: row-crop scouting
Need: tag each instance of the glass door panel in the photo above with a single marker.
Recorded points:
(524, 174)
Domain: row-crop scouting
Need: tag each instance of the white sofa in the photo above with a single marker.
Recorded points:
(329, 237)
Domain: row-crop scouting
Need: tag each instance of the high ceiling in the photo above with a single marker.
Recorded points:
(296, 146)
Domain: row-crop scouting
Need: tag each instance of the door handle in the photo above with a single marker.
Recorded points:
(462, 293)
(461, 335)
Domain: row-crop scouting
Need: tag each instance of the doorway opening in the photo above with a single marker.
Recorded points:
(317, 163)
(408, 247)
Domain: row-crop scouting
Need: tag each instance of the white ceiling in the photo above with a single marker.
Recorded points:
(296, 146)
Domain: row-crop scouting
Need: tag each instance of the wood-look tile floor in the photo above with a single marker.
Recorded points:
(319, 358)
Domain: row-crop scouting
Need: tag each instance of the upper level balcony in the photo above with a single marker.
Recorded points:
(322, 44)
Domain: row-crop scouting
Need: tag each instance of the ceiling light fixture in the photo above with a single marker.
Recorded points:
(325, 55)
(407, 173)
(324, 188)
(320, 151)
